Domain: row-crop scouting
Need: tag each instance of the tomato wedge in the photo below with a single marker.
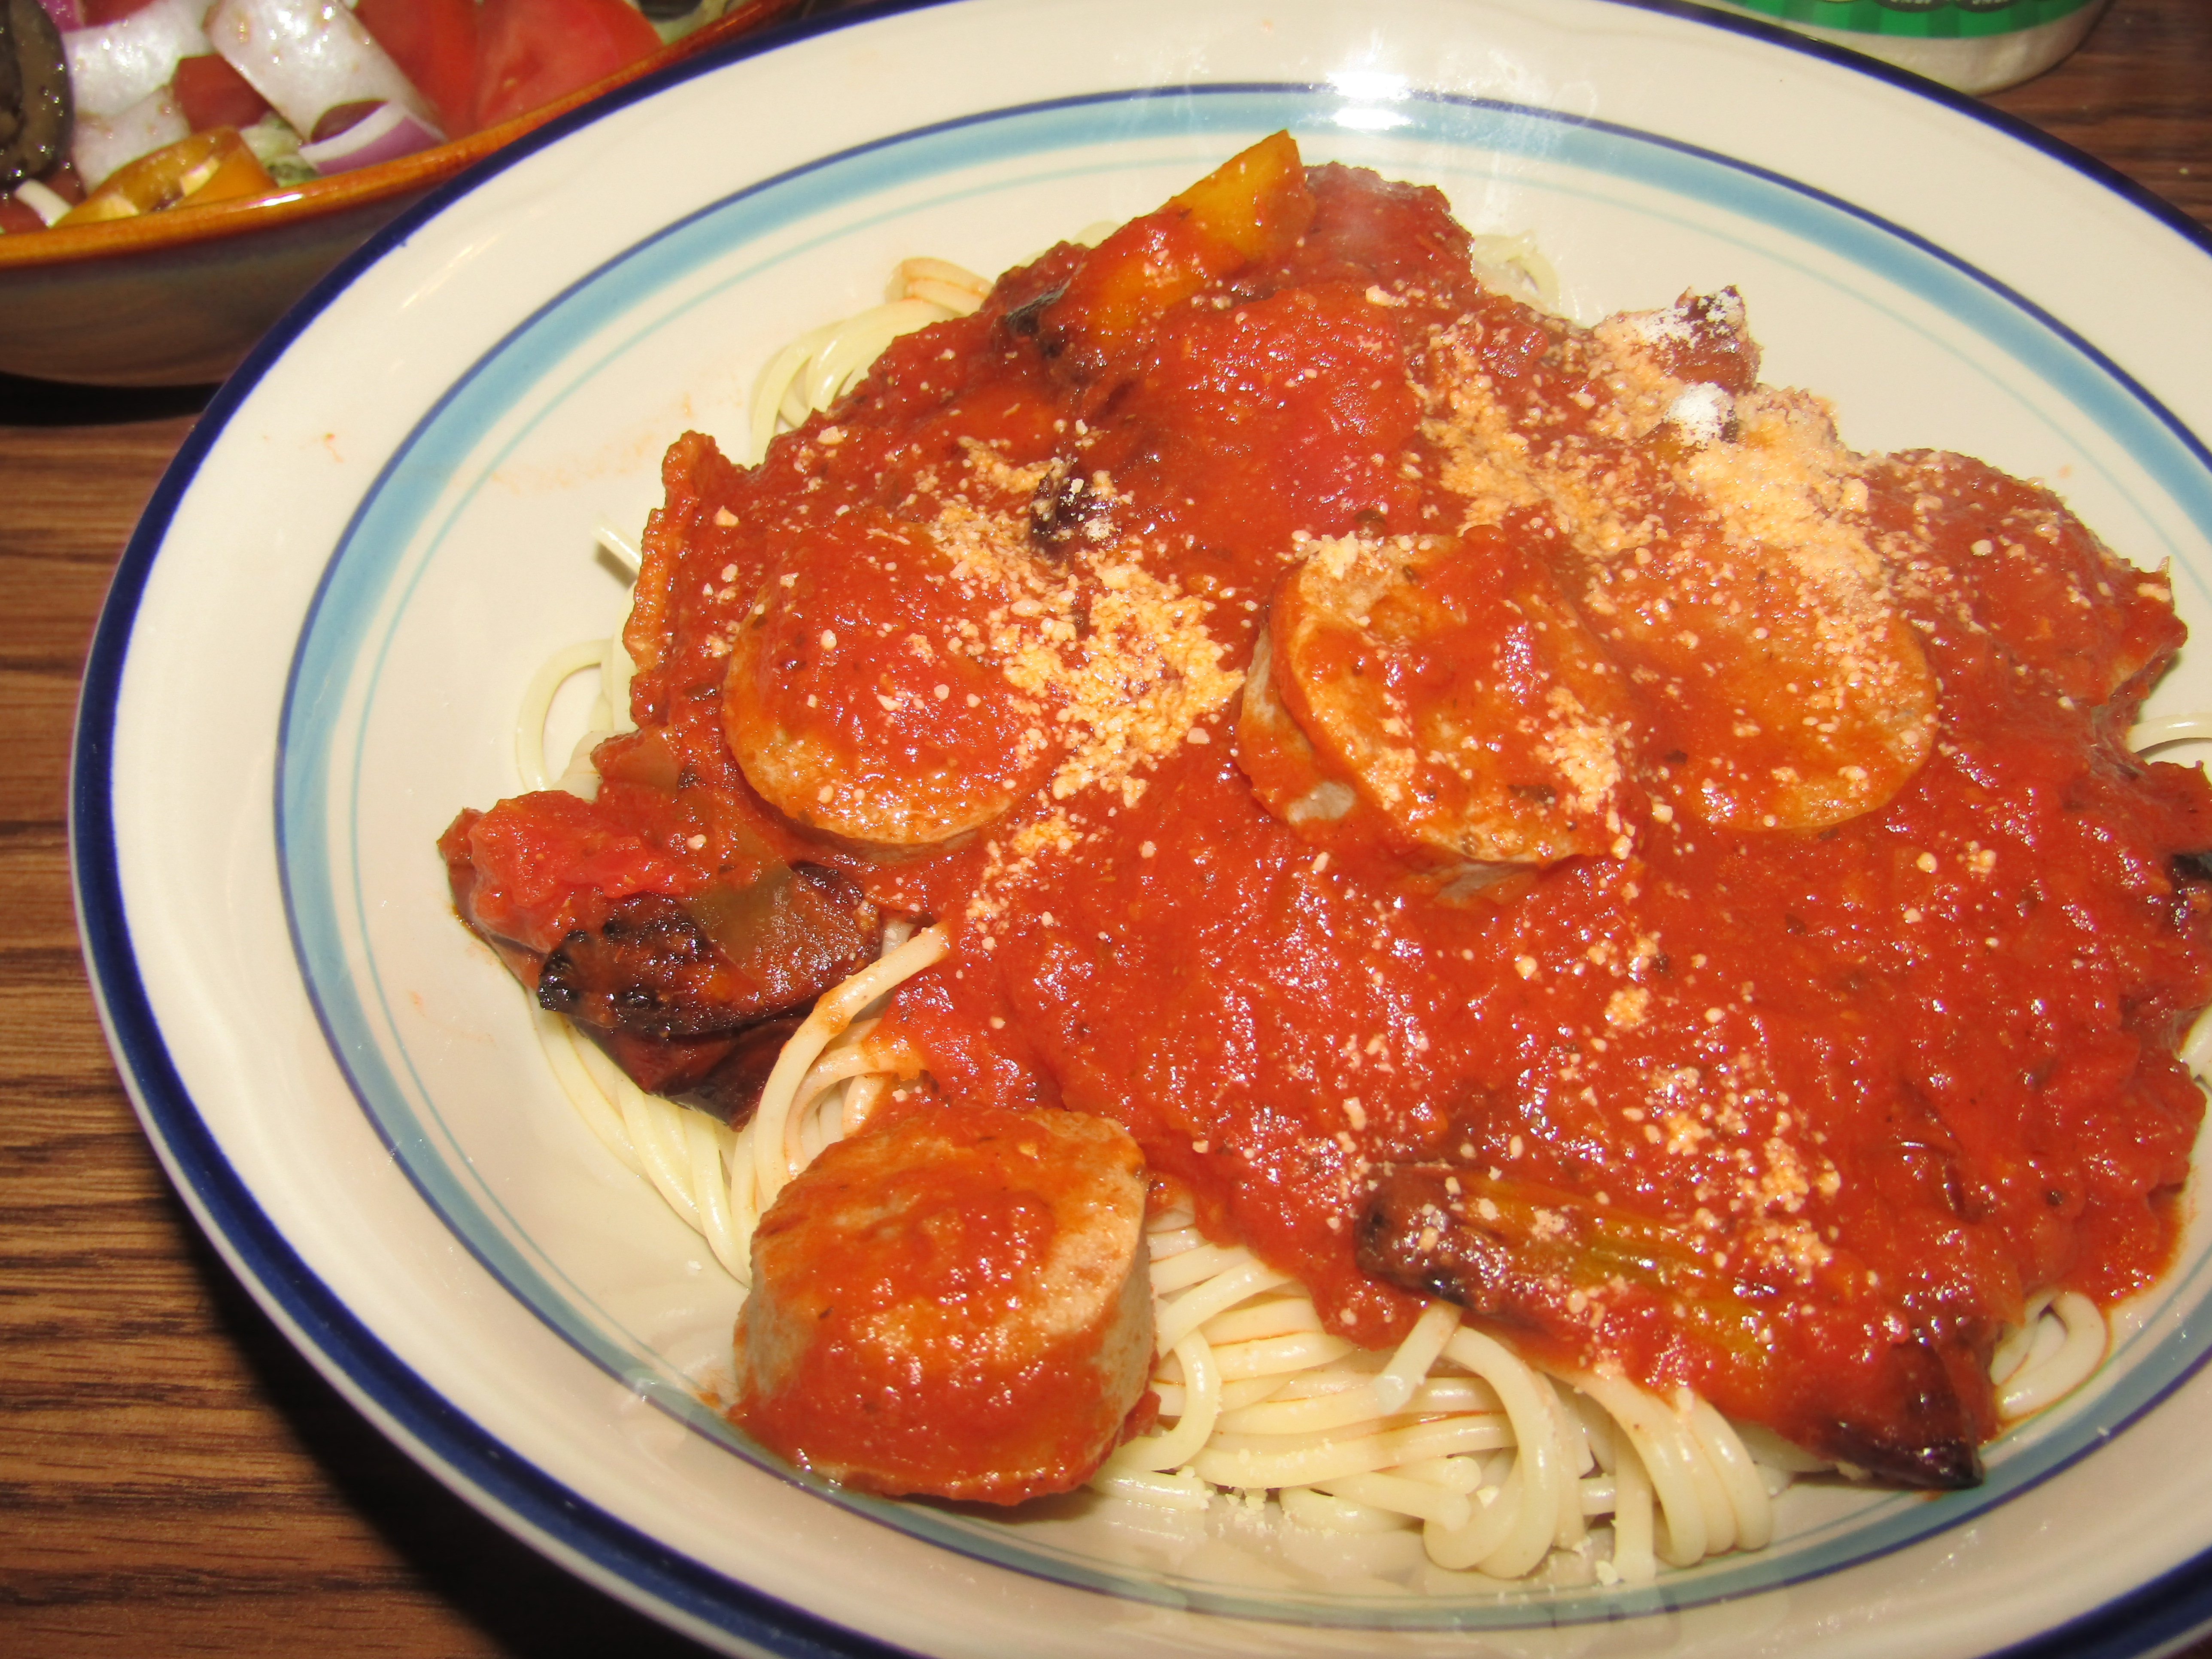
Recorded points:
(213, 94)
(536, 51)
(435, 44)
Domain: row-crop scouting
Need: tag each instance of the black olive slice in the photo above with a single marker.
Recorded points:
(35, 110)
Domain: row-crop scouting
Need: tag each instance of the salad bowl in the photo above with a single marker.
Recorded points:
(176, 297)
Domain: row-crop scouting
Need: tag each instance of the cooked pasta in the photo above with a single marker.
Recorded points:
(1498, 1463)
(1501, 1465)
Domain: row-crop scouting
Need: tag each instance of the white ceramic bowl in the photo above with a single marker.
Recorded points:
(319, 635)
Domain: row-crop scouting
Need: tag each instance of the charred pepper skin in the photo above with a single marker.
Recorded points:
(1538, 1262)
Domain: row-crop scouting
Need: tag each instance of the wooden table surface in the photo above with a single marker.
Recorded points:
(173, 1478)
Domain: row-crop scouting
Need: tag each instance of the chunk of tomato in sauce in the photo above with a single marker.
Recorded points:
(546, 863)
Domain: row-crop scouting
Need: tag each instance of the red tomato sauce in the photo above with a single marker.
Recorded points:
(1918, 1060)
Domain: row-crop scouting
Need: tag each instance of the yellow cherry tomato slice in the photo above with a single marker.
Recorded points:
(208, 167)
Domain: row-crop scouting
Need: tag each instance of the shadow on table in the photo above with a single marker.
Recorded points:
(522, 1603)
(51, 402)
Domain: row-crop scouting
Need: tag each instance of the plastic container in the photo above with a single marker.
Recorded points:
(1976, 45)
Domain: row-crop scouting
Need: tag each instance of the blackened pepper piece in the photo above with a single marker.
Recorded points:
(1065, 512)
(663, 970)
(792, 933)
(731, 1091)
(1021, 322)
(647, 970)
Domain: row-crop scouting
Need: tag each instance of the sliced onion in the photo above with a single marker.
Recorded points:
(307, 56)
(48, 204)
(103, 146)
(117, 65)
(386, 133)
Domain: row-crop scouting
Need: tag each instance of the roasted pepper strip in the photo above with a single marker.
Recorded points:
(1251, 208)
(1580, 1276)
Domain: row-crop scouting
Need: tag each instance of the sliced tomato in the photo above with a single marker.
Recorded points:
(213, 94)
(536, 51)
(435, 44)
(96, 12)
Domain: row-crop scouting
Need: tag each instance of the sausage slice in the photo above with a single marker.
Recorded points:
(955, 1304)
(1438, 695)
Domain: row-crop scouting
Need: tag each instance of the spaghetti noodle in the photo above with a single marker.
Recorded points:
(1497, 1462)
(1019, 583)
(1449, 1430)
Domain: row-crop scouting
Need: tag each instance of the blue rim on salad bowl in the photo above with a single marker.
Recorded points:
(385, 521)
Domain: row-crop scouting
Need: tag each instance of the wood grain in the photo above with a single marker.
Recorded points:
(173, 1478)
(2138, 97)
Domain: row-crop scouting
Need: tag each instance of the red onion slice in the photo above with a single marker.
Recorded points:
(386, 133)
(308, 56)
(67, 14)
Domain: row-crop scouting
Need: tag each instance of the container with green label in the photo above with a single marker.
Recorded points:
(1976, 45)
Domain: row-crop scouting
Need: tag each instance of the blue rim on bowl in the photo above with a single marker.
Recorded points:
(362, 595)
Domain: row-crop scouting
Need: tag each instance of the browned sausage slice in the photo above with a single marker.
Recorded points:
(956, 1304)
(1438, 694)
(882, 717)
